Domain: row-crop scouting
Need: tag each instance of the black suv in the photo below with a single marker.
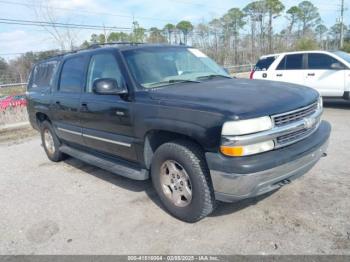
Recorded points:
(171, 114)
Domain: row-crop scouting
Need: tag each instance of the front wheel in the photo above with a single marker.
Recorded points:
(182, 180)
(50, 142)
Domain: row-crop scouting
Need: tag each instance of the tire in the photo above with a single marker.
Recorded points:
(51, 145)
(183, 158)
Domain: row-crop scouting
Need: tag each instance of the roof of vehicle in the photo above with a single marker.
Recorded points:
(114, 45)
(296, 52)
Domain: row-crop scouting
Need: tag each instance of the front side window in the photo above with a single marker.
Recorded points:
(321, 61)
(43, 75)
(103, 66)
(291, 62)
(72, 75)
(154, 67)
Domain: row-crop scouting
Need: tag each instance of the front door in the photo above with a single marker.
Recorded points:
(320, 75)
(106, 119)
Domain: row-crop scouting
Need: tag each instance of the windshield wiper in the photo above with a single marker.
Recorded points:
(213, 76)
(174, 81)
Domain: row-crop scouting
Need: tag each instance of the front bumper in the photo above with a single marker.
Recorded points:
(244, 177)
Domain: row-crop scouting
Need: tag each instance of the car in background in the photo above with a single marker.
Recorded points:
(327, 72)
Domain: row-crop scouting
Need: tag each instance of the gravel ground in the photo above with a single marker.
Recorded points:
(74, 208)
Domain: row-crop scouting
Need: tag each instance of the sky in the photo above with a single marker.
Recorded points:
(18, 38)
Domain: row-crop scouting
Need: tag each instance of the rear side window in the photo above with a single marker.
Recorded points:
(321, 61)
(291, 62)
(43, 75)
(73, 75)
(264, 63)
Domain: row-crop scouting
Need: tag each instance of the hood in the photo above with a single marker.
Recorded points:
(239, 98)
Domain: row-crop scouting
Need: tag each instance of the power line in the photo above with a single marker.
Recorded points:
(61, 25)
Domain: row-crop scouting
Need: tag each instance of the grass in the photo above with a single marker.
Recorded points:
(12, 91)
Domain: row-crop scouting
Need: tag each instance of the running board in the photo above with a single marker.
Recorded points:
(116, 167)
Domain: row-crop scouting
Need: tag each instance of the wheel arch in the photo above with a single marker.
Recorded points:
(155, 138)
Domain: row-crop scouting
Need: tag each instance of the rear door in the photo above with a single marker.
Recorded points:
(106, 119)
(320, 75)
(65, 103)
(290, 69)
(261, 68)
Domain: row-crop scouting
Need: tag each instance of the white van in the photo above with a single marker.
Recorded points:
(327, 72)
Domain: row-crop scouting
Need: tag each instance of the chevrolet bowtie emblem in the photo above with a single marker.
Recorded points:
(309, 122)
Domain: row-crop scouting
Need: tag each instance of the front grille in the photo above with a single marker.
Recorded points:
(301, 117)
(296, 115)
(293, 137)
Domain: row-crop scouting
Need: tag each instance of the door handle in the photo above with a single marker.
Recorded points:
(57, 104)
(84, 107)
(311, 74)
(279, 75)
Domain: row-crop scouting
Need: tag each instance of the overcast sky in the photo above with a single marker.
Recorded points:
(18, 39)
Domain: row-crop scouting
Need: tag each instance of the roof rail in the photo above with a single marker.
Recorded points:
(114, 43)
(93, 46)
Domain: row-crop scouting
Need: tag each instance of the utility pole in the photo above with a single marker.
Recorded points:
(342, 24)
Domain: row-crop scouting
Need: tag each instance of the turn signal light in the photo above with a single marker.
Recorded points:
(232, 151)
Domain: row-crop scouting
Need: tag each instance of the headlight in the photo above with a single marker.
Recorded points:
(249, 126)
(247, 149)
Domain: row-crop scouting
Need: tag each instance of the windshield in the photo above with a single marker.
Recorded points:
(343, 55)
(160, 66)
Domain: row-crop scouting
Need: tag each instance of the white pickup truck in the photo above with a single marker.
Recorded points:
(327, 72)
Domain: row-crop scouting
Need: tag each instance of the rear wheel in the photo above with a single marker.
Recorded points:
(50, 142)
(182, 180)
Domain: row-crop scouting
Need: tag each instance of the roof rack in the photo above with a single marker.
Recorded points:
(114, 43)
(94, 46)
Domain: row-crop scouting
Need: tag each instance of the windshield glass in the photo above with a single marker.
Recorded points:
(343, 55)
(160, 66)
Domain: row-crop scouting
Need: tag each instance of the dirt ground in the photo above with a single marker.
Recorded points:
(74, 208)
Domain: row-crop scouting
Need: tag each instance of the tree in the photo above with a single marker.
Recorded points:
(274, 8)
(185, 27)
(252, 10)
(293, 14)
(202, 32)
(45, 10)
(215, 28)
(320, 31)
(233, 22)
(138, 34)
(308, 15)
(156, 36)
(305, 44)
(169, 29)
(118, 37)
(335, 32)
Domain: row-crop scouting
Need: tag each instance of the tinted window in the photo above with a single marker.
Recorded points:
(43, 75)
(321, 61)
(72, 75)
(103, 66)
(291, 62)
(264, 63)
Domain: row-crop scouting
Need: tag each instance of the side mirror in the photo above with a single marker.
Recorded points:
(108, 86)
(337, 66)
